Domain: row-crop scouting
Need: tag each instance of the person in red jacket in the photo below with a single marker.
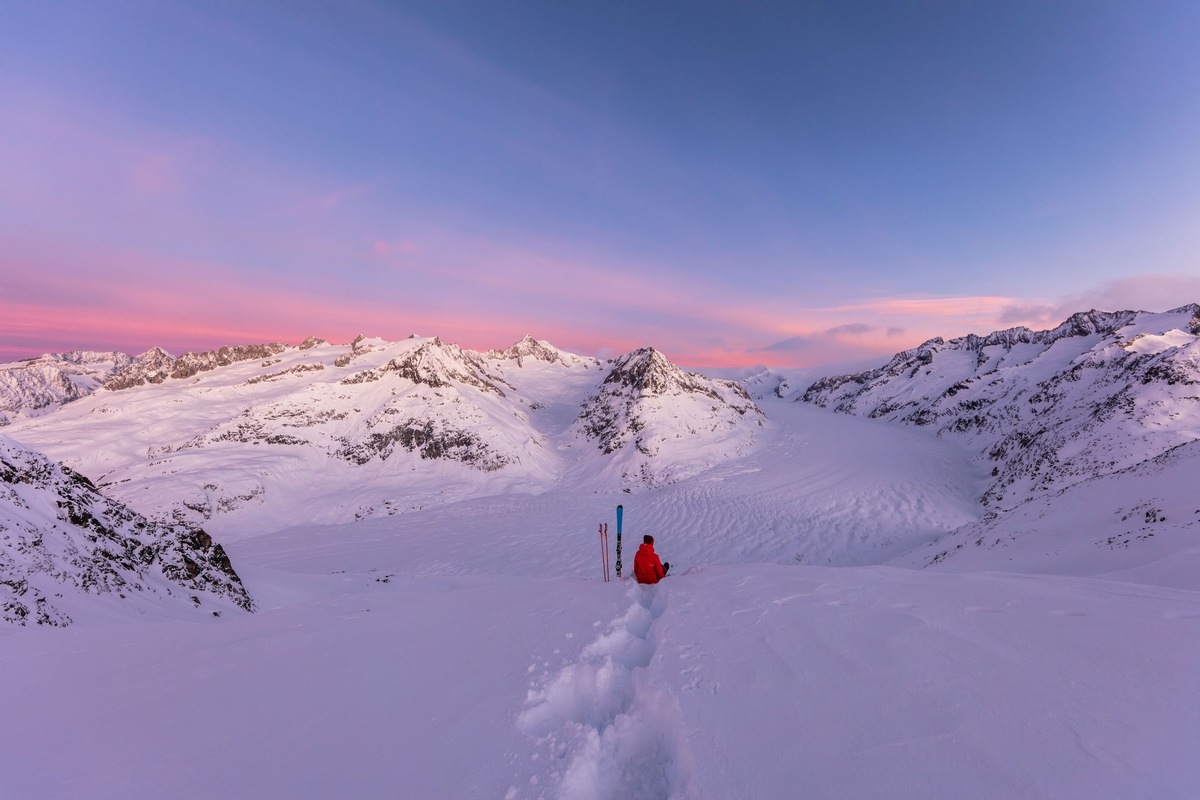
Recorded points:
(646, 566)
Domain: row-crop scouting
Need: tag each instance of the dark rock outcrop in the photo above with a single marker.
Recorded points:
(58, 534)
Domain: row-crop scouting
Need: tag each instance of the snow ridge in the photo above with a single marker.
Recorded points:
(538, 350)
(618, 736)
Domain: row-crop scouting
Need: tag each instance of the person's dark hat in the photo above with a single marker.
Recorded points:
(648, 539)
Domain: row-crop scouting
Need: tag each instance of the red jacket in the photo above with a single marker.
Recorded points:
(646, 566)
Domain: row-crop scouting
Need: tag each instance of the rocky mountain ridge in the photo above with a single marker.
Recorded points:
(377, 427)
(61, 539)
(1102, 392)
(37, 386)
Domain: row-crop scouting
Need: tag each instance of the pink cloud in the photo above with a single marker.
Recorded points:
(106, 278)
(1154, 292)
(383, 248)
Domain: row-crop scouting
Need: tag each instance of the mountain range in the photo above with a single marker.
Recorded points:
(1099, 393)
(1084, 435)
(275, 435)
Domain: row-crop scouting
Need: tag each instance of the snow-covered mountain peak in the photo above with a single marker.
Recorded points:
(764, 383)
(1093, 322)
(538, 350)
(647, 371)
(156, 365)
(282, 434)
(665, 423)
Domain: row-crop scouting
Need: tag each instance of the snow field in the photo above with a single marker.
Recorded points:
(741, 681)
(342, 686)
(879, 682)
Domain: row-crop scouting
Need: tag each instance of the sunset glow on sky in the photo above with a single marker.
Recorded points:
(794, 184)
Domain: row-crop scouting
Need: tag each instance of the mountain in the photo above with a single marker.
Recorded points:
(663, 424)
(264, 436)
(1100, 393)
(38, 386)
(539, 350)
(60, 540)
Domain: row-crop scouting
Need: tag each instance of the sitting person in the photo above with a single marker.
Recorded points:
(646, 566)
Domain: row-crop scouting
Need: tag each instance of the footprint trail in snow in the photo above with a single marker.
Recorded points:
(606, 730)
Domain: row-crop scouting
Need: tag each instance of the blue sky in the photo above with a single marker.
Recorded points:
(796, 183)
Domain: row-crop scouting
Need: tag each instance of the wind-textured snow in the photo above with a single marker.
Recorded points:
(462, 643)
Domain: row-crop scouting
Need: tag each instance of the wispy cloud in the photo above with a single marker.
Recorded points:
(384, 249)
(113, 234)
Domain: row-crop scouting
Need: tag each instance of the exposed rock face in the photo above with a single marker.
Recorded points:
(443, 376)
(431, 440)
(436, 365)
(60, 536)
(156, 365)
(1099, 393)
(646, 404)
(39, 385)
(152, 366)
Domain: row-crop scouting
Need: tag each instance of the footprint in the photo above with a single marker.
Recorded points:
(607, 732)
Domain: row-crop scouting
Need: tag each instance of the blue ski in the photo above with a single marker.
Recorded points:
(620, 514)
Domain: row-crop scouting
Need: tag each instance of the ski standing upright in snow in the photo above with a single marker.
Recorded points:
(620, 514)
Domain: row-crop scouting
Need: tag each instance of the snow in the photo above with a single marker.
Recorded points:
(830, 627)
(1148, 344)
(730, 681)
(318, 433)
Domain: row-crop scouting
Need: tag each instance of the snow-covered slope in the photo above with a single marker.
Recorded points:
(1141, 523)
(372, 672)
(261, 437)
(40, 385)
(63, 545)
(1100, 393)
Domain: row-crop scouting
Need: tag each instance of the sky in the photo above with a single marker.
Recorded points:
(792, 184)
